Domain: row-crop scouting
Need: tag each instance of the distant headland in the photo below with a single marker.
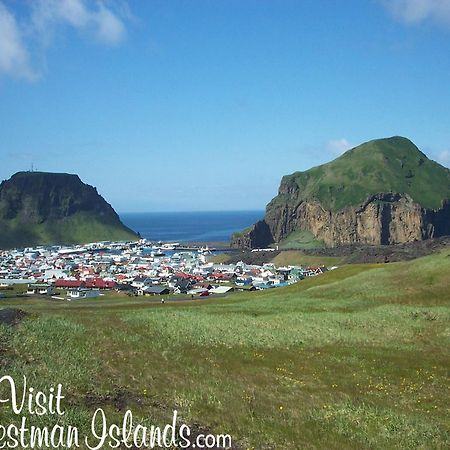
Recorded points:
(38, 208)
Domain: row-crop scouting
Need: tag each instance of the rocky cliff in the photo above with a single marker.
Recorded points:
(55, 208)
(383, 192)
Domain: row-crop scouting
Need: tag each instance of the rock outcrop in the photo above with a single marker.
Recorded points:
(55, 208)
(258, 236)
(384, 218)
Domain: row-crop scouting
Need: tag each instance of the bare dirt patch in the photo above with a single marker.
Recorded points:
(11, 316)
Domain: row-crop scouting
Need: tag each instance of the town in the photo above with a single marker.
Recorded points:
(137, 269)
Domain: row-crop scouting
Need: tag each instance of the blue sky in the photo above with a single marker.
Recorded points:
(204, 105)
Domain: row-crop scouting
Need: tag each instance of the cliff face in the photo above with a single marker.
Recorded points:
(384, 218)
(258, 236)
(314, 201)
(52, 208)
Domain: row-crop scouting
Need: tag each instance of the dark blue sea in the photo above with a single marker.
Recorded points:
(216, 226)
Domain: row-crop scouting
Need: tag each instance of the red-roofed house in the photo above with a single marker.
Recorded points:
(69, 284)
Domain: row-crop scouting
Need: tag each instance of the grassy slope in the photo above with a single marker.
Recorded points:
(77, 229)
(357, 358)
(383, 165)
(299, 258)
(300, 239)
(221, 258)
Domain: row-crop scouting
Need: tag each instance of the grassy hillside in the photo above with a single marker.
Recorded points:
(299, 258)
(79, 228)
(383, 165)
(300, 239)
(38, 208)
(357, 358)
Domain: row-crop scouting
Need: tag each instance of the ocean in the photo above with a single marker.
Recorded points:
(215, 226)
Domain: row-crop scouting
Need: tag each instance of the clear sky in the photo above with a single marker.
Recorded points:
(205, 104)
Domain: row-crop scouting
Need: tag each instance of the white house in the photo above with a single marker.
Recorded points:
(221, 290)
(56, 274)
(79, 293)
(41, 289)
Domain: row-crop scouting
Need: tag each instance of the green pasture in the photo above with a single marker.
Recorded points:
(357, 358)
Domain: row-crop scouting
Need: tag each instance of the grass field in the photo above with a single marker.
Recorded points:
(358, 358)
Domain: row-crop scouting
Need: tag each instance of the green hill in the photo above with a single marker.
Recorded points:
(385, 191)
(383, 165)
(39, 208)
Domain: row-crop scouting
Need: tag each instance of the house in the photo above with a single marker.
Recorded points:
(296, 274)
(198, 291)
(243, 281)
(99, 283)
(203, 285)
(140, 282)
(91, 283)
(155, 290)
(313, 271)
(124, 287)
(181, 284)
(284, 272)
(40, 288)
(50, 274)
(246, 288)
(80, 293)
(221, 290)
(263, 285)
(222, 277)
(69, 284)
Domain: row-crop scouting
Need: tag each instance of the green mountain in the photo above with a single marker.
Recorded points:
(382, 192)
(38, 208)
(382, 165)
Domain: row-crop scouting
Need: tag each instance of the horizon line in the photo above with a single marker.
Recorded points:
(192, 211)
